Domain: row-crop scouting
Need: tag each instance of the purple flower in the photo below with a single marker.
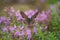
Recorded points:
(58, 3)
(17, 33)
(52, 6)
(37, 18)
(28, 31)
(36, 10)
(48, 12)
(43, 16)
(4, 29)
(20, 18)
(6, 22)
(35, 30)
(21, 33)
(3, 18)
(28, 34)
(18, 15)
(11, 29)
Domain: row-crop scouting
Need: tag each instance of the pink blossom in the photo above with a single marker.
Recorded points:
(28, 34)
(28, 31)
(5, 20)
(37, 18)
(43, 16)
(48, 12)
(17, 33)
(21, 33)
(52, 6)
(4, 29)
(35, 30)
(18, 15)
(11, 29)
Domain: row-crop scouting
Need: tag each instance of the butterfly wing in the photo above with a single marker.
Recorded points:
(23, 15)
(26, 17)
(31, 20)
(34, 16)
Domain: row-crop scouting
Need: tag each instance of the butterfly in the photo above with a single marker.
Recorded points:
(29, 20)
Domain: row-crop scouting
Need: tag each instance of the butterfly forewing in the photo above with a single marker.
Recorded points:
(26, 17)
(23, 15)
(34, 16)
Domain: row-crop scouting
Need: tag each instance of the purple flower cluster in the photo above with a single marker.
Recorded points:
(43, 16)
(21, 30)
(9, 10)
(4, 29)
(5, 20)
(11, 28)
(18, 15)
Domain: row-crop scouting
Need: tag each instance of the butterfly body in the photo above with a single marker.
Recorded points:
(28, 20)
